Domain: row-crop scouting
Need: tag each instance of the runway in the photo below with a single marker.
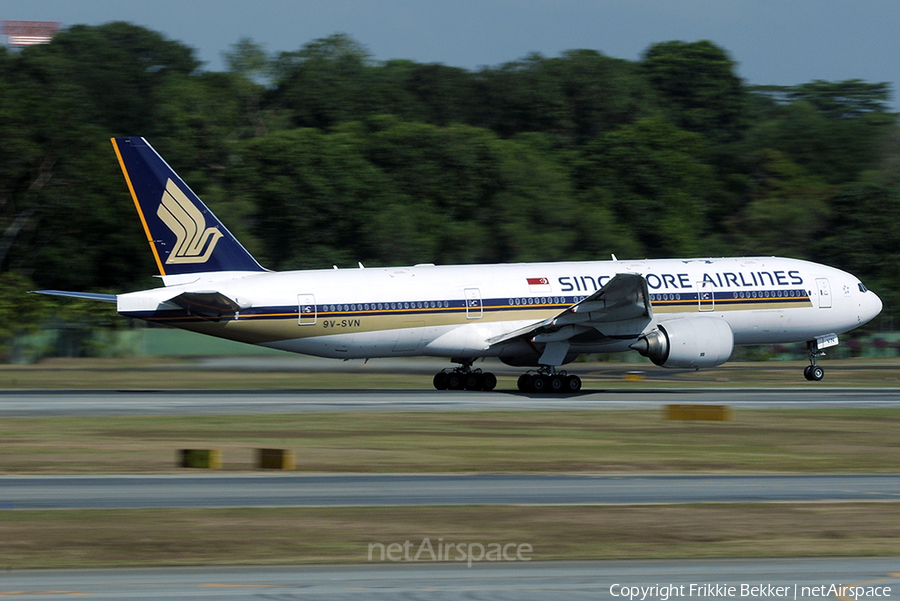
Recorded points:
(45, 403)
(453, 581)
(371, 490)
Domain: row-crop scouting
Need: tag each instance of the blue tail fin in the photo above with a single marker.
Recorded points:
(184, 235)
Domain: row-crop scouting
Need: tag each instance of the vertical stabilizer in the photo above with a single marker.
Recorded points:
(183, 233)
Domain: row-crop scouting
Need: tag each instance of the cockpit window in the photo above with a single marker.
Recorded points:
(862, 287)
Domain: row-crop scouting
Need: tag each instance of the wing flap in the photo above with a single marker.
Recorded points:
(624, 300)
(519, 333)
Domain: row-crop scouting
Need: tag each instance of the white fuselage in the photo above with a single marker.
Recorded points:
(451, 311)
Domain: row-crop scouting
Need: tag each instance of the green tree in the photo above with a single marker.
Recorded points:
(490, 199)
(252, 69)
(863, 237)
(446, 172)
(431, 93)
(522, 96)
(249, 59)
(697, 86)
(786, 211)
(847, 99)
(533, 211)
(311, 192)
(326, 82)
(655, 179)
(61, 222)
(119, 67)
(601, 93)
(343, 159)
(836, 149)
(19, 312)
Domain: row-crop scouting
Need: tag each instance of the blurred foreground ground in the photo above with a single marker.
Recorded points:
(814, 441)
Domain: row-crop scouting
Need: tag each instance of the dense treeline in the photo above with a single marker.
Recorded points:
(324, 156)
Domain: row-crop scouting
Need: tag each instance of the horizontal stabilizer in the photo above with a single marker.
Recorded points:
(106, 298)
(208, 305)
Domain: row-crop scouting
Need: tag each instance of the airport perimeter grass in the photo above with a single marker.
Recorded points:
(622, 441)
(108, 538)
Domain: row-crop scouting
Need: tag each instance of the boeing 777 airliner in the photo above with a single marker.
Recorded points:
(681, 313)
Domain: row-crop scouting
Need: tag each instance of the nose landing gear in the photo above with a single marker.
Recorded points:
(814, 372)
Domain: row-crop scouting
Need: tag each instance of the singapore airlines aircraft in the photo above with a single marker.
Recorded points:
(681, 313)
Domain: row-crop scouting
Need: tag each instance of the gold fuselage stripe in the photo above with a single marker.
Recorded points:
(137, 205)
(282, 325)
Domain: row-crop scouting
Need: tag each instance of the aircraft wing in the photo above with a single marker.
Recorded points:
(621, 308)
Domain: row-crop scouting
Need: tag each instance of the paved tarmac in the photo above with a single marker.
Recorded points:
(44, 403)
(453, 581)
(369, 490)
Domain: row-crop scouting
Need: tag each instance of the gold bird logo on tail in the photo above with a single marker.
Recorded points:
(189, 226)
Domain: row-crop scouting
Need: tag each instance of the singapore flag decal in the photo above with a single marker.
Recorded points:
(539, 285)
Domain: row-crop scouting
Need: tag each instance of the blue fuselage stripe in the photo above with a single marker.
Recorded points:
(732, 300)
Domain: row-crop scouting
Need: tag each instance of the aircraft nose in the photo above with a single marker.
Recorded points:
(877, 305)
(872, 306)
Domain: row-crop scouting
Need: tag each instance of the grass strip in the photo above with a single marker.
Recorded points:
(160, 373)
(91, 538)
(814, 440)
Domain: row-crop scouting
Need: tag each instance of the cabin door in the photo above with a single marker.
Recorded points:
(705, 296)
(824, 293)
(474, 308)
(306, 309)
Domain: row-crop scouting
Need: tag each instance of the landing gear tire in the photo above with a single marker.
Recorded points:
(440, 380)
(455, 381)
(473, 381)
(488, 381)
(572, 384)
(813, 373)
(524, 382)
(539, 383)
(557, 383)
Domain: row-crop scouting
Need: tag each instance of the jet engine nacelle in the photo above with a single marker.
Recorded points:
(688, 342)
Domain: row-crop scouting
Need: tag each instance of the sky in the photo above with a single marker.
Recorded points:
(773, 41)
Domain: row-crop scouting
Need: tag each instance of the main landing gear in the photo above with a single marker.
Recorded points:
(465, 378)
(547, 379)
(813, 372)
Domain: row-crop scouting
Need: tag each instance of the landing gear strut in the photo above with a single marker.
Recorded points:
(464, 378)
(814, 372)
(547, 379)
